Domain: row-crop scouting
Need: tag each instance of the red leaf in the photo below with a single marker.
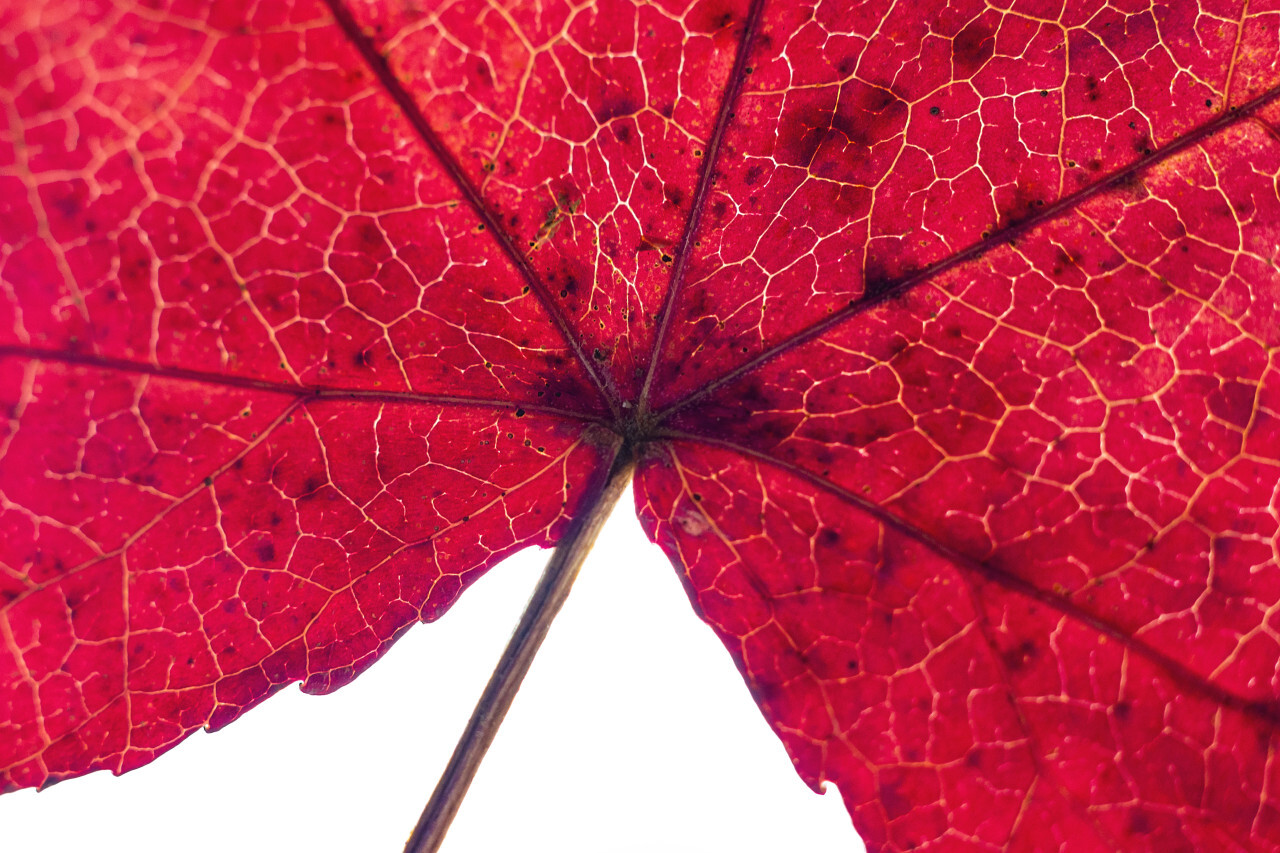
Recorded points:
(947, 336)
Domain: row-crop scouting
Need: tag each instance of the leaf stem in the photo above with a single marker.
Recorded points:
(547, 599)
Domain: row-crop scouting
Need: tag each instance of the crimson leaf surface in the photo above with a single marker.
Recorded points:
(945, 336)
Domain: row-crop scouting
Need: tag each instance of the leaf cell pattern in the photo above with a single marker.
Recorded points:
(947, 337)
(272, 393)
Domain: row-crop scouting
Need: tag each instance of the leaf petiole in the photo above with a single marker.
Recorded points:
(547, 599)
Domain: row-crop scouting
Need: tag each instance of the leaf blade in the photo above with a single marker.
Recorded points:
(994, 289)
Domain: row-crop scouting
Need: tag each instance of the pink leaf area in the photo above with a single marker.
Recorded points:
(946, 336)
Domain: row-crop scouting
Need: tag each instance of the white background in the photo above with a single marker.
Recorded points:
(634, 732)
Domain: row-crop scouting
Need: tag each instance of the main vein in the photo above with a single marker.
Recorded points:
(306, 393)
(1000, 237)
(506, 241)
(1266, 710)
(684, 249)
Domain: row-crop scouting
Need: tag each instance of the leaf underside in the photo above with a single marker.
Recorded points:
(946, 336)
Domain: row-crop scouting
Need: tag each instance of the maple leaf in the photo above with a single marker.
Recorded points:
(943, 338)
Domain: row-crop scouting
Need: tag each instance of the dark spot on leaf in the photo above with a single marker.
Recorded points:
(971, 49)
(67, 205)
(895, 804)
(1019, 656)
(616, 104)
(1133, 186)
(877, 277)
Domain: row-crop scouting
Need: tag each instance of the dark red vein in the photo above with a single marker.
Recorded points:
(1265, 710)
(306, 393)
(684, 249)
(999, 238)
(396, 90)
(199, 484)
